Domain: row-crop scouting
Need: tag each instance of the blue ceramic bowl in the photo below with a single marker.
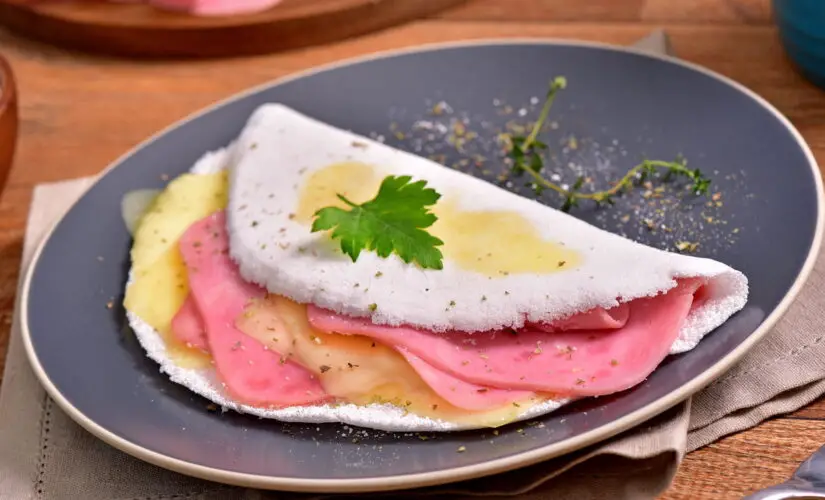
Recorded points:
(801, 26)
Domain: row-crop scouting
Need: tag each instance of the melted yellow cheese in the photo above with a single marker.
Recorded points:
(159, 283)
(355, 368)
(493, 243)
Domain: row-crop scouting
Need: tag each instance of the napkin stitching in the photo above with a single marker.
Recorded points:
(794, 352)
(45, 427)
(183, 496)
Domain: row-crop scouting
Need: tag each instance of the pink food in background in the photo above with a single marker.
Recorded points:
(214, 7)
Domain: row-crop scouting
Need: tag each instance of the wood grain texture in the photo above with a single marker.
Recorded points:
(79, 113)
(143, 31)
(746, 462)
(629, 11)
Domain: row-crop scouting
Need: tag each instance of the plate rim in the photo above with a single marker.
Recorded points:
(455, 474)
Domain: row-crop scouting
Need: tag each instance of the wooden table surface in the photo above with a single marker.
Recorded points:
(79, 113)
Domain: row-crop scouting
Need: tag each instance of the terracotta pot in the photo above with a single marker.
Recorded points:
(8, 120)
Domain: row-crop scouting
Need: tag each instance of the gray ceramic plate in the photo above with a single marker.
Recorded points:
(620, 105)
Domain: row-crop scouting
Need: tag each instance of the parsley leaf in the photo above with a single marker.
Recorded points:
(392, 222)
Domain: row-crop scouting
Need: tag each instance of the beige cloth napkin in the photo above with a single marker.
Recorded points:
(43, 454)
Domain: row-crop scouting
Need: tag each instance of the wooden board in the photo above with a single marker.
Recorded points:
(143, 31)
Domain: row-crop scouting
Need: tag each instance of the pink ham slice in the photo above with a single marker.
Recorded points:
(459, 393)
(215, 7)
(578, 363)
(187, 326)
(252, 373)
(594, 319)
(592, 353)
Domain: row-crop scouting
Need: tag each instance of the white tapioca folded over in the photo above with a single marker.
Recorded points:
(528, 307)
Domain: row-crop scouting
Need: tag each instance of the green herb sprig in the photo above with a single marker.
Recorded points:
(392, 222)
(396, 219)
(526, 155)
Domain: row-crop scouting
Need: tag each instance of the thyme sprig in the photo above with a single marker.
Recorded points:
(526, 155)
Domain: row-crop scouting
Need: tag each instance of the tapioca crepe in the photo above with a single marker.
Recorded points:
(238, 299)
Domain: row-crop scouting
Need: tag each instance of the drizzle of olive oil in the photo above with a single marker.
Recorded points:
(494, 243)
(356, 181)
(497, 243)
